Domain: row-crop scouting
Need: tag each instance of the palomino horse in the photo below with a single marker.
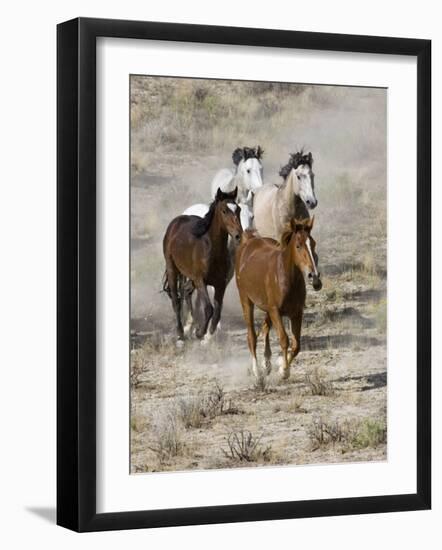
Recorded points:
(196, 255)
(270, 275)
(274, 206)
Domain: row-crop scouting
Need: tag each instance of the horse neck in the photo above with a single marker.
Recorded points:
(217, 233)
(288, 189)
(292, 272)
(238, 181)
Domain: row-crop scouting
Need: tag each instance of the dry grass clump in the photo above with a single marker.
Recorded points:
(194, 411)
(380, 315)
(138, 365)
(167, 438)
(317, 384)
(244, 446)
(370, 433)
(138, 423)
(160, 350)
(348, 435)
(295, 405)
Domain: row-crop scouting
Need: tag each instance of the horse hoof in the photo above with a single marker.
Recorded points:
(206, 339)
(188, 330)
(284, 373)
(180, 343)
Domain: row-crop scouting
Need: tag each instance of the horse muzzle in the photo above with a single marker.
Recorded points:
(311, 203)
(316, 283)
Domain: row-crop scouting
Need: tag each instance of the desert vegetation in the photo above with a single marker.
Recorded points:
(197, 407)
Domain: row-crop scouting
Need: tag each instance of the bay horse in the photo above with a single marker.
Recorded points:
(274, 206)
(271, 276)
(195, 250)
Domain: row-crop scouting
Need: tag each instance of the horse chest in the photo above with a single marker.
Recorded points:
(289, 294)
(218, 267)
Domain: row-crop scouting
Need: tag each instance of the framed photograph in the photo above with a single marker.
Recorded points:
(244, 242)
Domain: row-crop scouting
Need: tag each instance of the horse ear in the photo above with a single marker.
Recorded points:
(310, 158)
(234, 193)
(219, 195)
(309, 223)
(237, 155)
(259, 152)
(287, 234)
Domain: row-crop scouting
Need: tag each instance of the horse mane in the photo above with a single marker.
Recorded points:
(201, 226)
(244, 153)
(295, 160)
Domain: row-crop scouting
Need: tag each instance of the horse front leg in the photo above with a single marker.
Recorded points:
(188, 290)
(284, 368)
(248, 311)
(295, 325)
(204, 309)
(218, 303)
(265, 331)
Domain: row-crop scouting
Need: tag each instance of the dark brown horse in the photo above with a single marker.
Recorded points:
(271, 275)
(196, 255)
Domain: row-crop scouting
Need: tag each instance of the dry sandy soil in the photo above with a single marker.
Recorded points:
(197, 407)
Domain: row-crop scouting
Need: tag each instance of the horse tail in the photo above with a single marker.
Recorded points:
(165, 283)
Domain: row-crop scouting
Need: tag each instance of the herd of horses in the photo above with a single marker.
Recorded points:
(261, 232)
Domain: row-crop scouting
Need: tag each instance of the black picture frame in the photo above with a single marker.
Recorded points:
(76, 274)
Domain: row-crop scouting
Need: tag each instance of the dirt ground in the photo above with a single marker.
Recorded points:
(198, 407)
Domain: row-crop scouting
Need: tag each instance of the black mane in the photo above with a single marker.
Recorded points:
(244, 153)
(295, 160)
(201, 226)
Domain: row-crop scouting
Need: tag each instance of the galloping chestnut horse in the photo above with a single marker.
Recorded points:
(196, 249)
(271, 275)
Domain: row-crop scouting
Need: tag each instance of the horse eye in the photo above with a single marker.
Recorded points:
(248, 170)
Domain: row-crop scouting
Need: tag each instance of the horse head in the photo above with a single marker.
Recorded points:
(299, 167)
(249, 167)
(229, 213)
(297, 236)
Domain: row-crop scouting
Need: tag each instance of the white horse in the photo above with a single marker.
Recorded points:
(246, 176)
(274, 206)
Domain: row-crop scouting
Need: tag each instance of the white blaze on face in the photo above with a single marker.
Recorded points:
(232, 206)
(305, 189)
(309, 248)
(251, 171)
